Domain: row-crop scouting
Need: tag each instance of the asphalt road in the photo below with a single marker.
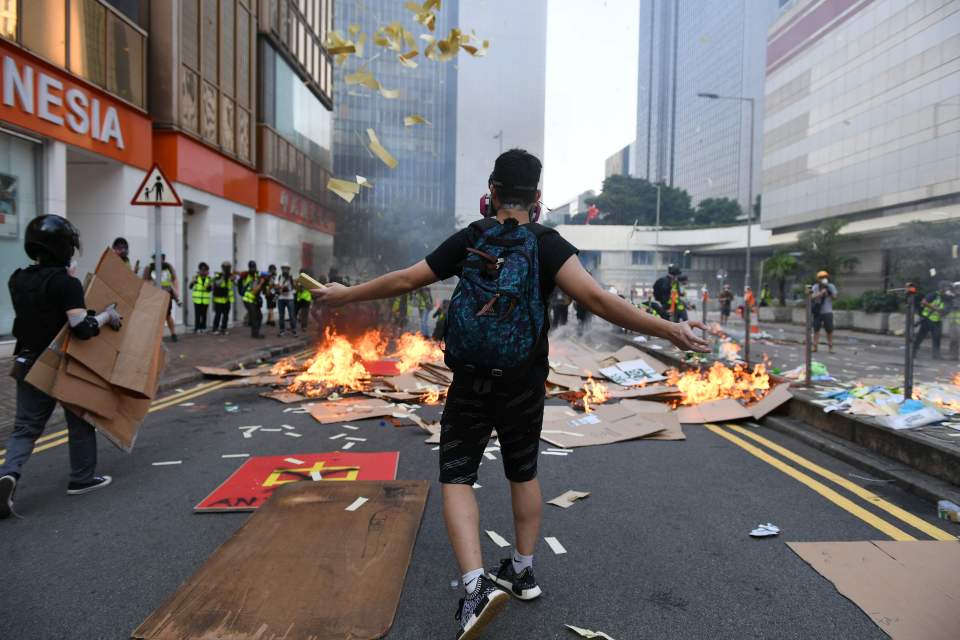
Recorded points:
(660, 549)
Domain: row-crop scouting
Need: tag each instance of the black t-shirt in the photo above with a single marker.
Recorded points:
(41, 298)
(554, 250)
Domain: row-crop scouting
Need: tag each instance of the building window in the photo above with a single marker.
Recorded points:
(125, 61)
(88, 27)
(44, 29)
(8, 19)
(639, 258)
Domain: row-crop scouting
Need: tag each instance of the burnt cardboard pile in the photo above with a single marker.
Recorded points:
(110, 380)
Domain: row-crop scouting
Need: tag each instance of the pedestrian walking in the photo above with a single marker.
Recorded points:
(45, 298)
(250, 285)
(932, 311)
(223, 284)
(726, 302)
(500, 365)
(168, 282)
(822, 295)
(284, 287)
(201, 292)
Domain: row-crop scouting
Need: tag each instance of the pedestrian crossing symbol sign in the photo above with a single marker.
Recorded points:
(156, 190)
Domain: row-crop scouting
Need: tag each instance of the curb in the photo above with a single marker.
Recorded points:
(903, 476)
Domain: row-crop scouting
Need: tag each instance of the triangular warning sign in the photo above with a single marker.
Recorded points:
(156, 190)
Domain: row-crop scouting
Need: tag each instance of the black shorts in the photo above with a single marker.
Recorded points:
(725, 309)
(471, 413)
(824, 320)
(271, 302)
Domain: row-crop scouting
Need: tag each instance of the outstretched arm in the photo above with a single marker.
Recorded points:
(388, 285)
(580, 285)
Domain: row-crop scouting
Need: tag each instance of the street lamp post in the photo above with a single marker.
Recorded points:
(746, 277)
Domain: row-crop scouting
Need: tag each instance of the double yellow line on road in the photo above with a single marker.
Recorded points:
(52, 440)
(905, 517)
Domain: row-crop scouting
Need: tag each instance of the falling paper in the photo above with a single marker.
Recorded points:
(356, 504)
(566, 499)
(555, 545)
(415, 119)
(379, 150)
(346, 189)
(499, 540)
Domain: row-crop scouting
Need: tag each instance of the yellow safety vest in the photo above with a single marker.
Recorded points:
(201, 290)
(304, 296)
(248, 283)
(676, 297)
(222, 282)
(933, 315)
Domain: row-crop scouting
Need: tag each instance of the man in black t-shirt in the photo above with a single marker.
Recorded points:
(475, 406)
(45, 297)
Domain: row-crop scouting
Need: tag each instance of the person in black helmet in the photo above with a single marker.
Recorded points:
(45, 297)
(663, 287)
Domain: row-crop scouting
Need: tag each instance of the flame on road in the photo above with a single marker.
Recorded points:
(719, 381)
(594, 393)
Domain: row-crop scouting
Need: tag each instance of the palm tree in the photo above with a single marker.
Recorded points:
(778, 268)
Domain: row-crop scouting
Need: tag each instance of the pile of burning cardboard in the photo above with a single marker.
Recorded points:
(407, 369)
(112, 378)
(693, 396)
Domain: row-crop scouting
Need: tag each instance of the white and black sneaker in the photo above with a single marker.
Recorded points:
(80, 488)
(522, 585)
(8, 484)
(479, 608)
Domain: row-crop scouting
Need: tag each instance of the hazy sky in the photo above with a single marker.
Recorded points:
(591, 91)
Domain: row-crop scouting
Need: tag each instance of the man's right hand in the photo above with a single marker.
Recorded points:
(332, 295)
(682, 336)
(113, 317)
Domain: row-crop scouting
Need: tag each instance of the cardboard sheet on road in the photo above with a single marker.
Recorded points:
(303, 568)
(350, 409)
(909, 589)
(606, 425)
(220, 372)
(249, 487)
(281, 395)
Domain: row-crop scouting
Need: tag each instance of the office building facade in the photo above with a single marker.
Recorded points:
(412, 206)
(715, 46)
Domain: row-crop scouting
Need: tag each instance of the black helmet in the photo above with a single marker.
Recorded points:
(673, 270)
(51, 239)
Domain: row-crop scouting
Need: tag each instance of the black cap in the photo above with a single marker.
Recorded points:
(51, 239)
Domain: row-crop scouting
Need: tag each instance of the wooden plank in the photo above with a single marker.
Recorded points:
(303, 568)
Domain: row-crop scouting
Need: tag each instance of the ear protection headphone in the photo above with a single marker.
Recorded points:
(487, 210)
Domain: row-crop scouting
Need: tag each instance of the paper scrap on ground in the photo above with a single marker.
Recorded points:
(566, 499)
(167, 462)
(587, 633)
(632, 372)
(765, 531)
(294, 461)
(555, 545)
(499, 540)
(348, 445)
(356, 504)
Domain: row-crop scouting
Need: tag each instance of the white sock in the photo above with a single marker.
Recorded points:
(521, 562)
(470, 579)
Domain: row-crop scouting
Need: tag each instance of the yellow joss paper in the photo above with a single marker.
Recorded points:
(346, 189)
(415, 119)
(380, 151)
(390, 94)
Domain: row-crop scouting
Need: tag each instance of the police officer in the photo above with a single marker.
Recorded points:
(45, 297)
(168, 282)
(222, 298)
(200, 292)
(250, 286)
(932, 310)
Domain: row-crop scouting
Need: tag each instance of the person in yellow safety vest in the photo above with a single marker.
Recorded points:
(303, 301)
(222, 298)
(201, 289)
(678, 307)
(932, 309)
(399, 307)
(168, 282)
(250, 285)
(424, 307)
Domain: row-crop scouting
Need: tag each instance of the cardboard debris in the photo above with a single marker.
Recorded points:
(283, 396)
(631, 373)
(351, 409)
(909, 589)
(220, 372)
(586, 633)
(606, 425)
(258, 584)
(566, 499)
(570, 382)
(110, 380)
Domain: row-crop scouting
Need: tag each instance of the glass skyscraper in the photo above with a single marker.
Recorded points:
(410, 208)
(712, 46)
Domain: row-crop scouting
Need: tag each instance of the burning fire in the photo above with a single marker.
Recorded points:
(594, 393)
(432, 396)
(719, 381)
(730, 351)
(338, 362)
(956, 379)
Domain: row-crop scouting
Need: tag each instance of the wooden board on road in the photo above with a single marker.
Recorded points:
(303, 567)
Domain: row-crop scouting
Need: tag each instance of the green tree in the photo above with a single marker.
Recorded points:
(819, 248)
(626, 200)
(714, 211)
(778, 268)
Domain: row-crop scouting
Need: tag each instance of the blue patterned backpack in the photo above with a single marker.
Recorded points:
(497, 316)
